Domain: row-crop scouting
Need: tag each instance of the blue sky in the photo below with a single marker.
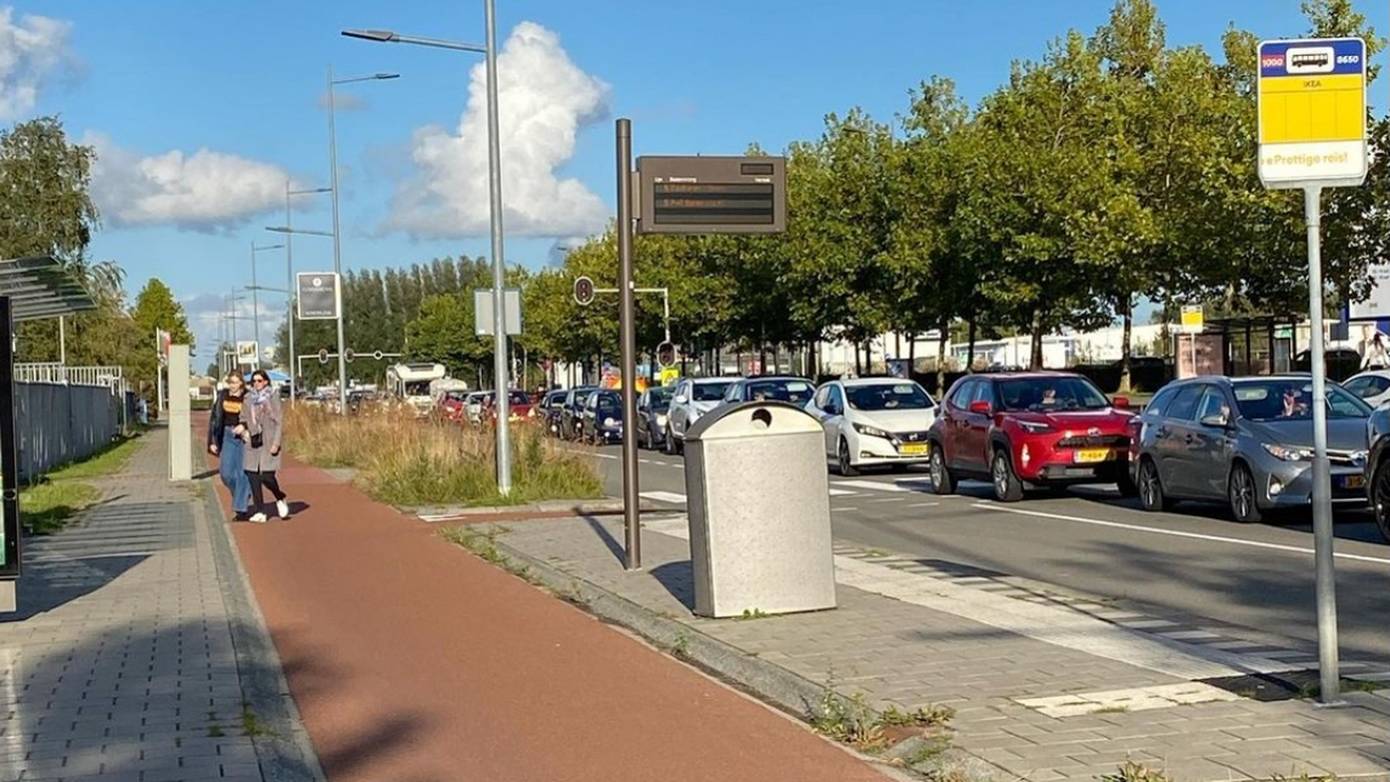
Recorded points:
(243, 81)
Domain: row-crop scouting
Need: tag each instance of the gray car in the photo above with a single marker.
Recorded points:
(1245, 441)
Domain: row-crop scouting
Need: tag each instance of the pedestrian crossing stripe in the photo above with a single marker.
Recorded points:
(665, 496)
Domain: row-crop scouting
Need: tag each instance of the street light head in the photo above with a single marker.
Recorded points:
(381, 36)
(386, 76)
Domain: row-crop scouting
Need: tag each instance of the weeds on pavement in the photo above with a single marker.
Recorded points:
(1135, 772)
(402, 460)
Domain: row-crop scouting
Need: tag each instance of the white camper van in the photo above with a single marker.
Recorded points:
(410, 384)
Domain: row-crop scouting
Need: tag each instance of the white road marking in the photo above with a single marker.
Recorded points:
(1050, 624)
(841, 493)
(923, 504)
(1176, 533)
(1136, 699)
(665, 496)
(873, 485)
(603, 455)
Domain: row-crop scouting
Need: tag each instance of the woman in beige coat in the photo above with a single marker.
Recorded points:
(261, 425)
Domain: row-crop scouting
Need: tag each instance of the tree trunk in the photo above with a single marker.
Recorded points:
(897, 345)
(762, 356)
(970, 343)
(777, 361)
(941, 340)
(911, 353)
(1036, 360)
(718, 363)
(858, 361)
(1125, 348)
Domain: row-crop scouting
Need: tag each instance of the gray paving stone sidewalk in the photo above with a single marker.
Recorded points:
(906, 654)
(120, 663)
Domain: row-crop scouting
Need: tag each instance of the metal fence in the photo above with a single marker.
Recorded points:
(110, 377)
(65, 413)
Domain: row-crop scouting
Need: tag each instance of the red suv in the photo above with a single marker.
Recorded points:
(1026, 430)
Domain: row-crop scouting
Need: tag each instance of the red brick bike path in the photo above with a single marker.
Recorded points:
(412, 660)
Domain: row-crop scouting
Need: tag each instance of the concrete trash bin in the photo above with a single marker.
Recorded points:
(759, 506)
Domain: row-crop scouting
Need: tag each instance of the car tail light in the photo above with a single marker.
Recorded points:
(1026, 456)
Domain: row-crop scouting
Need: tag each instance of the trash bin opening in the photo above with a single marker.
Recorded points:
(763, 417)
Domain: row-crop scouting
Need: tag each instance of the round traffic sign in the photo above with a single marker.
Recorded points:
(583, 291)
(323, 355)
(377, 355)
(348, 355)
(665, 355)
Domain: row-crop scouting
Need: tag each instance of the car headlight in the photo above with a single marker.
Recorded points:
(660, 419)
(608, 422)
(872, 431)
(1289, 453)
(1034, 427)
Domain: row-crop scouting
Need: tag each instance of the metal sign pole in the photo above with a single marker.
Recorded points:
(628, 337)
(499, 276)
(1322, 477)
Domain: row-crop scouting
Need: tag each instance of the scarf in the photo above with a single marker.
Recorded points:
(260, 397)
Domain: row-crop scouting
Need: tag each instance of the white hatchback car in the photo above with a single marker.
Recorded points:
(691, 399)
(1371, 386)
(874, 421)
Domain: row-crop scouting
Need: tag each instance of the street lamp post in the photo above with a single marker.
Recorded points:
(255, 298)
(499, 323)
(337, 243)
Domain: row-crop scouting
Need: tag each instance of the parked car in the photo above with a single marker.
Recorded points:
(1341, 362)
(874, 421)
(796, 390)
(453, 405)
(1377, 474)
(1028, 430)
(572, 412)
(1371, 386)
(691, 399)
(519, 406)
(473, 406)
(1247, 442)
(652, 407)
(603, 417)
(551, 405)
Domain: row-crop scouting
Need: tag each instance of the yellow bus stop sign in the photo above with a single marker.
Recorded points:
(1312, 98)
(1192, 319)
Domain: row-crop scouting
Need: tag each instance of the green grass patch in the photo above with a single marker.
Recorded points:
(109, 461)
(48, 507)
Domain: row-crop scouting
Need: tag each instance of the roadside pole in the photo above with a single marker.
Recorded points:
(1328, 664)
(628, 337)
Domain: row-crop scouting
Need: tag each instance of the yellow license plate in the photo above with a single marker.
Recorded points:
(914, 449)
(1092, 455)
(1354, 482)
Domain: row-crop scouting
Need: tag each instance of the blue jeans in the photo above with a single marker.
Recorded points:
(229, 463)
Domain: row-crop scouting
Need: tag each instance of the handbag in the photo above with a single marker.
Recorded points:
(257, 440)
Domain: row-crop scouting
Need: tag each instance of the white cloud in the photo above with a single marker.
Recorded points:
(342, 101)
(543, 101)
(204, 191)
(31, 51)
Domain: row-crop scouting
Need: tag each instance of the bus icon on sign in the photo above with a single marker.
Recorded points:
(1310, 59)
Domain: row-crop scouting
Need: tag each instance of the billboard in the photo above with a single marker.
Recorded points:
(317, 295)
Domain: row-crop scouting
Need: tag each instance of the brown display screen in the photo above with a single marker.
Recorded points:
(700, 203)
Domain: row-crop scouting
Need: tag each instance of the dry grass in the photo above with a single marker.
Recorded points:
(406, 461)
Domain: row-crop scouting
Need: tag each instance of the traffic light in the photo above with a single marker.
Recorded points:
(583, 291)
(348, 355)
(323, 355)
(665, 355)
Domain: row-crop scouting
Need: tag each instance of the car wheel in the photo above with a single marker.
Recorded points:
(1380, 499)
(942, 481)
(843, 464)
(1007, 487)
(1240, 490)
(1151, 496)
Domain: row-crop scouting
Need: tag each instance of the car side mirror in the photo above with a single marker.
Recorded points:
(680, 399)
(1218, 421)
(980, 407)
(1120, 402)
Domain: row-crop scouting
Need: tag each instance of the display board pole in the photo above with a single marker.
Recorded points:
(627, 335)
(1323, 541)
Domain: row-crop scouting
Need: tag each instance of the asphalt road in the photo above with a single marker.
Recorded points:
(1194, 562)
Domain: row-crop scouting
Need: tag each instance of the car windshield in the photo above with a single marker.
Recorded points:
(417, 388)
(659, 398)
(1282, 400)
(794, 391)
(886, 396)
(708, 392)
(608, 403)
(455, 396)
(1045, 394)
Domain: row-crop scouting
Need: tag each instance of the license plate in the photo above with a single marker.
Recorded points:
(914, 449)
(1091, 455)
(1353, 481)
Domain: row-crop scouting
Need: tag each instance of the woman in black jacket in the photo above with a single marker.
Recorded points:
(224, 442)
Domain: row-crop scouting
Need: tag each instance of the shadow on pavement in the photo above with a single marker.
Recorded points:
(608, 540)
(679, 579)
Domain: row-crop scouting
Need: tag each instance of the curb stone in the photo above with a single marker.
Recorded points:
(599, 507)
(769, 683)
(285, 751)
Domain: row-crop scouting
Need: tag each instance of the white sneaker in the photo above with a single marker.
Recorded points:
(283, 508)
(257, 518)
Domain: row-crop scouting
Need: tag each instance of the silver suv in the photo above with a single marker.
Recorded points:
(692, 399)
